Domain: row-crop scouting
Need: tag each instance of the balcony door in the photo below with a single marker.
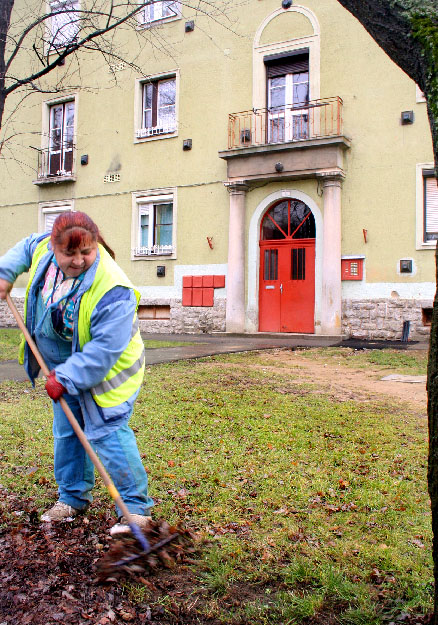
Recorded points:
(61, 135)
(287, 269)
(288, 98)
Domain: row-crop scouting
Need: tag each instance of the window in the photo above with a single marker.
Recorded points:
(56, 158)
(158, 107)
(61, 135)
(154, 219)
(159, 11)
(430, 194)
(288, 95)
(49, 211)
(64, 23)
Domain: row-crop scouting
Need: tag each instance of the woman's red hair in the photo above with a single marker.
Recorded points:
(72, 229)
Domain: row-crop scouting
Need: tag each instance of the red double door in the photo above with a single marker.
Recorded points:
(287, 285)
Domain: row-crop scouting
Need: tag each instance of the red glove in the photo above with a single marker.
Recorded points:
(54, 388)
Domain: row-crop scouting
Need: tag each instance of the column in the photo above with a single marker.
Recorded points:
(331, 304)
(235, 308)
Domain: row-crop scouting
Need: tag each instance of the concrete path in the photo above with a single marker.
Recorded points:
(201, 345)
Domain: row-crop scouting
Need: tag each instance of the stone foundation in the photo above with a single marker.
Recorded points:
(380, 319)
(383, 318)
(7, 319)
(183, 319)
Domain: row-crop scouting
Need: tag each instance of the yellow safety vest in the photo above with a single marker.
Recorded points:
(126, 376)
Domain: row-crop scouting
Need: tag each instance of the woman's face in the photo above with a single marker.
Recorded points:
(75, 261)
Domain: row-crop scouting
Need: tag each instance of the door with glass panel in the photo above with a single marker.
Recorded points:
(287, 268)
(61, 137)
(288, 99)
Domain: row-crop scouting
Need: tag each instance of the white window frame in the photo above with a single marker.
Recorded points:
(141, 133)
(421, 244)
(156, 8)
(45, 135)
(52, 210)
(52, 44)
(143, 203)
(288, 112)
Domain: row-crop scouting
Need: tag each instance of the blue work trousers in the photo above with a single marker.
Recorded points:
(118, 452)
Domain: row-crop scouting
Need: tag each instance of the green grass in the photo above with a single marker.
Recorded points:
(309, 507)
(10, 341)
(412, 362)
(150, 344)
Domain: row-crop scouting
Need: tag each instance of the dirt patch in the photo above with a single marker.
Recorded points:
(48, 574)
(345, 383)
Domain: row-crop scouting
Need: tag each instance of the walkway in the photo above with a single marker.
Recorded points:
(201, 345)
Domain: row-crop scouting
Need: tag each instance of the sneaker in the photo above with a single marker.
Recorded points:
(60, 512)
(122, 527)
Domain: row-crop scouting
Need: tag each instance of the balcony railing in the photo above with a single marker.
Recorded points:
(56, 162)
(155, 250)
(152, 131)
(315, 119)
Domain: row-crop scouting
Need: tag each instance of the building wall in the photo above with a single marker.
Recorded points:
(218, 75)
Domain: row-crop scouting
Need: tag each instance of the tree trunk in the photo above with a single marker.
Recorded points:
(407, 30)
(5, 18)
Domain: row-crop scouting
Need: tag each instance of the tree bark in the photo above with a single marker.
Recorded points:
(5, 19)
(407, 30)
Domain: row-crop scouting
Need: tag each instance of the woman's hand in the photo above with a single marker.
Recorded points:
(5, 288)
(54, 388)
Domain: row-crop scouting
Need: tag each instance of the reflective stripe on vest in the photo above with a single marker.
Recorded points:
(120, 378)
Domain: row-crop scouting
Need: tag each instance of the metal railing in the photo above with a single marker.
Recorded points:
(315, 119)
(56, 162)
(155, 250)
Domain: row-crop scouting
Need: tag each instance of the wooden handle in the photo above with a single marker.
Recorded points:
(70, 416)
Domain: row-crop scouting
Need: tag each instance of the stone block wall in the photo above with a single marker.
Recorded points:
(383, 318)
(186, 319)
(7, 319)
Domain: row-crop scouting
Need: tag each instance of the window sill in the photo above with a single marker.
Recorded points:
(54, 179)
(154, 137)
(160, 22)
(427, 246)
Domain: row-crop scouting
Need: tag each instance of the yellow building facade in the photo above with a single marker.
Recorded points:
(271, 176)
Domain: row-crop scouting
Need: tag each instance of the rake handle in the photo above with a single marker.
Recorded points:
(75, 425)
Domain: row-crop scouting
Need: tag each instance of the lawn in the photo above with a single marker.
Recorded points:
(309, 510)
(10, 341)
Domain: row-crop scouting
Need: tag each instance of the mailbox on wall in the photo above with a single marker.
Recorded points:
(352, 268)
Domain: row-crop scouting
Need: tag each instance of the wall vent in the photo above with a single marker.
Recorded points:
(116, 67)
(111, 178)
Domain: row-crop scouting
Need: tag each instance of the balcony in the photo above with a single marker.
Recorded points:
(292, 142)
(55, 165)
(318, 118)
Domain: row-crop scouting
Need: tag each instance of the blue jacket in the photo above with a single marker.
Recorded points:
(111, 326)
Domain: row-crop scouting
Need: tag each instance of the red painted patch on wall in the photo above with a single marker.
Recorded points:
(199, 290)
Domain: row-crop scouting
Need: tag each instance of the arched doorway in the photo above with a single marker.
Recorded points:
(287, 268)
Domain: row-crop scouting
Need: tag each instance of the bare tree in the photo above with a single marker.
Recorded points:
(39, 49)
(407, 30)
